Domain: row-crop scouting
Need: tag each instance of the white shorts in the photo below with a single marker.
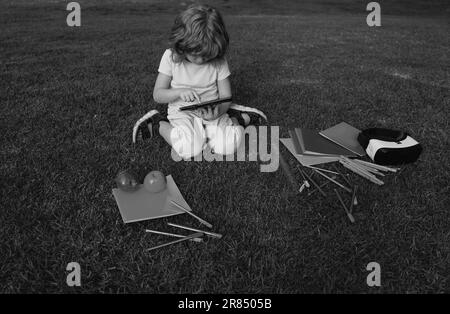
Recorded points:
(191, 135)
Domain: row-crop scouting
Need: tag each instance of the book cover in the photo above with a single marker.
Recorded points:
(315, 144)
(307, 160)
(346, 136)
(142, 204)
(295, 141)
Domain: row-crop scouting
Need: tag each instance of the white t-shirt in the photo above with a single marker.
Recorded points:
(202, 78)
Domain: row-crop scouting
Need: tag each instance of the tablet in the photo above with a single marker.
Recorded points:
(207, 103)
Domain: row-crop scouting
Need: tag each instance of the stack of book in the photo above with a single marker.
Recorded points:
(312, 147)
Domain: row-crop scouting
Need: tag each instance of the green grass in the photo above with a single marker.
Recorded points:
(70, 96)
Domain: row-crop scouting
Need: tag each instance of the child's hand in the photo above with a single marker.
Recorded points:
(209, 113)
(189, 95)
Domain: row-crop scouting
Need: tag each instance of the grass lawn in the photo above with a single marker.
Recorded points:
(70, 96)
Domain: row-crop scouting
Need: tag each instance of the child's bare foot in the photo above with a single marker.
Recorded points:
(148, 125)
(247, 116)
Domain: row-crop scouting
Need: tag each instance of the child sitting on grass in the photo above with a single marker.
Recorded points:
(195, 69)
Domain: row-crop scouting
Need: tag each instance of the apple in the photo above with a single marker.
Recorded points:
(155, 181)
(126, 181)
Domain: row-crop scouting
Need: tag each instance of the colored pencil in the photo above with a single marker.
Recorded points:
(362, 168)
(305, 181)
(313, 182)
(349, 215)
(288, 172)
(351, 166)
(367, 168)
(375, 166)
(189, 237)
(344, 177)
(211, 234)
(172, 235)
(334, 181)
(321, 169)
(353, 199)
(322, 185)
(192, 214)
(363, 174)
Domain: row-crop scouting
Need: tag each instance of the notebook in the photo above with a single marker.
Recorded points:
(307, 160)
(142, 205)
(346, 136)
(311, 143)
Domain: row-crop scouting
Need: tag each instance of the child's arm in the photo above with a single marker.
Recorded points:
(224, 89)
(163, 94)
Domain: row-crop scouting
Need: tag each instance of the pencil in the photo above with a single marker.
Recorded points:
(379, 167)
(211, 234)
(305, 181)
(288, 172)
(334, 181)
(313, 182)
(192, 214)
(368, 169)
(321, 169)
(189, 237)
(353, 198)
(359, 166)
(363, 174)
(343, 176)
(363, 168)
(322, 185)
(349, 215)
(172, 235)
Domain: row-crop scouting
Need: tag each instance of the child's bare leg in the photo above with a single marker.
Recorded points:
(224, 137)
(164, 130)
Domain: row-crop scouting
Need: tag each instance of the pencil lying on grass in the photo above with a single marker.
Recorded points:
(344, 177)
(349, 214)
(189, 237)
(347, 163)
(288, 172)
(371, 167)
(363, 174)
(321, 186)
(192, 214)
(211, 234)
(361, 167)
(305, 182)
(312, 181)
(172, 235)
(368, 169)
(334, 181)
(322, 169)
(375, 166)
(353, 199)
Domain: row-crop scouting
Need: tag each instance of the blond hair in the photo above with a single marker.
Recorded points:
(199, 31)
